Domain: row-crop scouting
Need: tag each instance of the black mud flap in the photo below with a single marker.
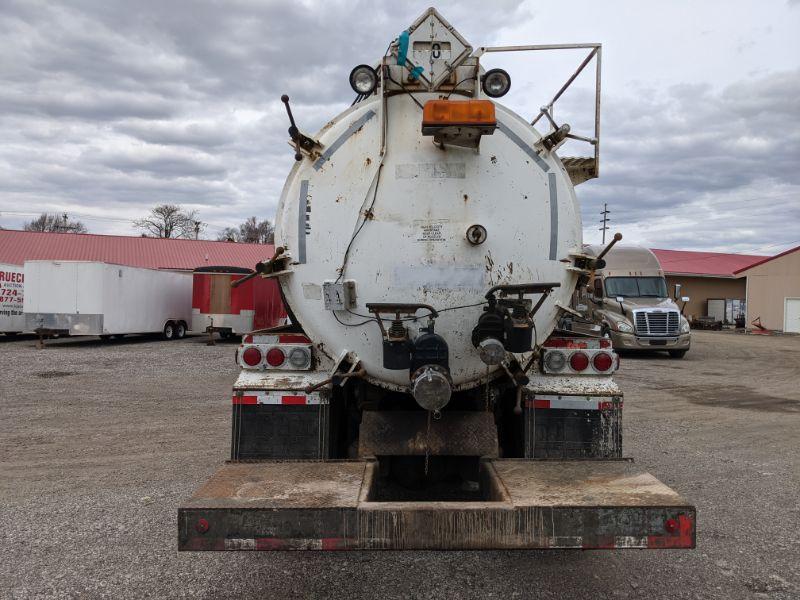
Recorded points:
(525, 504)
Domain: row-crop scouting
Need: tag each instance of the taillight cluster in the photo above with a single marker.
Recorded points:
(584, 361)
(292, 357)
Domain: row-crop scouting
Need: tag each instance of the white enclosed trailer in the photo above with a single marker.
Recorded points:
(96, 298)
(12, 279)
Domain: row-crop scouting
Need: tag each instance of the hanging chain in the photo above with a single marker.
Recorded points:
(428, 442)
(486, 388)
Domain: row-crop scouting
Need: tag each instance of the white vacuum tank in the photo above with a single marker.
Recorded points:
(394, 228)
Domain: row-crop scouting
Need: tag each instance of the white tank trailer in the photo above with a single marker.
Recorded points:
(428, 244)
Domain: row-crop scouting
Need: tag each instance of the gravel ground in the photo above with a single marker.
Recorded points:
(100, 442)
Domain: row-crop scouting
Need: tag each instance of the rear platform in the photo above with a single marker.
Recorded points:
(333, 505)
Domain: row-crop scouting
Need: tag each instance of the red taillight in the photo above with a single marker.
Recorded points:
(579, 361)
(671, 525)
(252, 357)
(202, 526)
(275, 357)
(602, 361)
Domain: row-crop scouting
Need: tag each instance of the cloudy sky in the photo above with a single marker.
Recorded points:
(108, 107)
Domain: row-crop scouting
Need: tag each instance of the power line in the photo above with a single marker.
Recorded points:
(605, 221)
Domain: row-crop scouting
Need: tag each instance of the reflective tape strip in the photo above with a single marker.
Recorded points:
(553, 185)
(284, 398)
(578, 343)
(524, 147)
(573, 402)
(303, 220)
(354, 127)
(284, 338)
(267, 543)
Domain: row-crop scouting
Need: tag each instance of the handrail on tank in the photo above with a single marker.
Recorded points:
(596, 51)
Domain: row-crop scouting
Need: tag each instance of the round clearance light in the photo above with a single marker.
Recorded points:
(579, 361)
(363, 80)
(431, 389)
(299, 358)
(555, 360)
(496, 83)
(602, 361)
(491, 351)
(275, 357)
(251, 357)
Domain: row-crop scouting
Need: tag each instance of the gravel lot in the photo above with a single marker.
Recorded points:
(100, 442)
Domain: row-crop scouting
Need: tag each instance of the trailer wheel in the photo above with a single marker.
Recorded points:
(677, 353)
(180, 330)
(169, 331)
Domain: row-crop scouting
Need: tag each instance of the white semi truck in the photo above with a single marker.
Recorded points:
(428, 243)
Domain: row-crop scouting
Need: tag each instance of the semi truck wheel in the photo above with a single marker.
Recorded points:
(677, 353)
(169, 331)
(180, 330)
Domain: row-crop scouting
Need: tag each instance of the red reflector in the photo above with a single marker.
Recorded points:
(602, 361)
(252, 357)
(275, 357)
(671, 525)
(201, 526)
(579, 361)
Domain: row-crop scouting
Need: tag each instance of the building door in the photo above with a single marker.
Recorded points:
(716, 309)
(791, 315)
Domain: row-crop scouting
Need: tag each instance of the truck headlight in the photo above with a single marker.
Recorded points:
(685, 326)
(624, 327)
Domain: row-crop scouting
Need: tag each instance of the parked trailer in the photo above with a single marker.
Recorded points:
(218, 306)
(423, 397)
(12, 285)
(96, 298)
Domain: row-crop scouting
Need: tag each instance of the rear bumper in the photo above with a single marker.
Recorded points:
(631, 341)
(528, 504)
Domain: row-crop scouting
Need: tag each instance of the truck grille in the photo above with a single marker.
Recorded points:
(657, 322)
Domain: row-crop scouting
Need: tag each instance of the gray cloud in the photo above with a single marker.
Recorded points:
(107, 108)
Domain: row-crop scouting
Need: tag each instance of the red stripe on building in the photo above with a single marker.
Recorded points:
(293, 400)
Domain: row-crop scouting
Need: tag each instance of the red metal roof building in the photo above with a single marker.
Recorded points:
(155, 253)
(705, 264)
(709, 279)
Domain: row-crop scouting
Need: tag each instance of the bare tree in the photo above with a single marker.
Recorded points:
(170, 221)
(252, 231)
(55, 223)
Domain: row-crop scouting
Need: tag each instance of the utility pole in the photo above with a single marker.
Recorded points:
(605, 221)
(197, 225)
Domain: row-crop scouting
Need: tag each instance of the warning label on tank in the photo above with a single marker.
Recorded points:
(430, 231)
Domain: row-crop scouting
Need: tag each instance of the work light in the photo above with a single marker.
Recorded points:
(496, 83)
(363, 80)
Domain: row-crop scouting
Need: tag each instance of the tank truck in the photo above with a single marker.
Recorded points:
(428, 243)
